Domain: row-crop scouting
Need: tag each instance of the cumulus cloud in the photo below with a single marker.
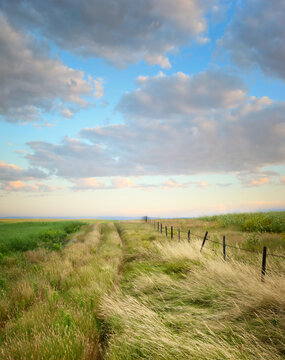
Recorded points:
(17, 185)
(127, 183)
(14, 178)
(88, 184)
(11, 172)
(227, 132)
(31, 82)
(121, 32)
(256, 36)
(74, 158)
(99, 92)
(171, 183)
(120, 183)
(95, 184)
(258, 178)
(182, 94)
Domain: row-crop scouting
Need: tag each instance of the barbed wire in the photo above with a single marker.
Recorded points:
(227, 245)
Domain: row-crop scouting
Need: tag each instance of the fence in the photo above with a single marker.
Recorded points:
(158, 225)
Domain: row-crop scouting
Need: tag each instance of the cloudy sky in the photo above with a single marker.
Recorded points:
(146, 107)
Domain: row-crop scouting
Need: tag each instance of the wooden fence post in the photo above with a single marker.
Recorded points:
(263, 268)
(204, 240)
(189, 236)
(224, 247)
(171, 232)
(178, 234)
(165, 230)
(160, 228)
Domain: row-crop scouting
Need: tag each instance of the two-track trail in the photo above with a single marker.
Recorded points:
(111, 250)
(51, 308)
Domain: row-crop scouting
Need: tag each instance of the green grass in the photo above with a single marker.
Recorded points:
(24, 236)
(49, 307)
(272, 222)
(123, 291)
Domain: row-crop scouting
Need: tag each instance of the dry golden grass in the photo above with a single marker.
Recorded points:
(49, 311)
(145, 298)
(177, 303)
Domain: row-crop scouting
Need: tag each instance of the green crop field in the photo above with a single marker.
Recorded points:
(25, 236)
(122, 290)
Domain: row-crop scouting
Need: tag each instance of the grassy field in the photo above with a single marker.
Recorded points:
(124, 291)
(23, 236)
(273, 222)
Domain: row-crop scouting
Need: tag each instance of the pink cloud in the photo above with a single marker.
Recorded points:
(259, 182)
(120, 183)
(17, 185)
(4, 166)
(202, 184)
(88, 184)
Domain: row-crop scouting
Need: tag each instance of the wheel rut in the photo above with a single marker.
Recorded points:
(101, 344)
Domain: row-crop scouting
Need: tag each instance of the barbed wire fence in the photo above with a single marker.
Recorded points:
(164, 228)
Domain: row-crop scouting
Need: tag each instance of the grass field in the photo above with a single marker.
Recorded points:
(273, 222)
(123, 291)
(23, 236)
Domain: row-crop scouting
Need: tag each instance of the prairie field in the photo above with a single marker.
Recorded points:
(124, 290)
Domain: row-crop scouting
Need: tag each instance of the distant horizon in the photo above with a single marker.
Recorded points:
(132, 217)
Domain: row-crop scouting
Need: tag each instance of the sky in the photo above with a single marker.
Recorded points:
(165, 108)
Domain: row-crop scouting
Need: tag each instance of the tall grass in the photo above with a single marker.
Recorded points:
(126, 292)
(49, 307)
(176, 303)
(261, 222)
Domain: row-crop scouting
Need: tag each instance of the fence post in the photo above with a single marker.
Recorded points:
(171, 232)
(263, 269)
(160, 228)
(165, 230)
(204, 240)
(224, 247)
(189, 236)
(178, 234)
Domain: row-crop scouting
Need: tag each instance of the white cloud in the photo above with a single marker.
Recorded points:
(99, 92)
(256, 36)
(14, 178)
(67, 113)
(31, 82)
(182, 94)
(121, 32)
(11, 172)
(167, 133)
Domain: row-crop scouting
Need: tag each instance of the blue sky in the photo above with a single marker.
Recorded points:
(165, 108)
